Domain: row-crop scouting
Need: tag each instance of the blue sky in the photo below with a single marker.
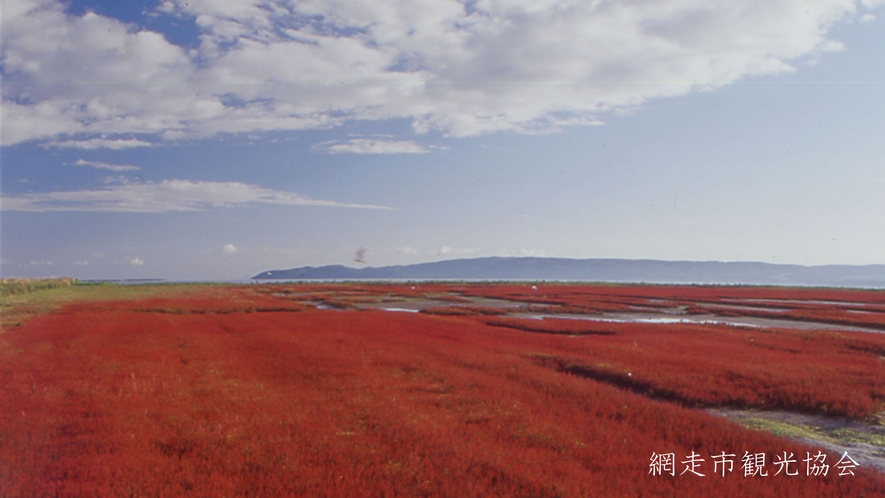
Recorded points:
(209, 139)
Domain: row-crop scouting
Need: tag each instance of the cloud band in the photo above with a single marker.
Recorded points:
(164, 196)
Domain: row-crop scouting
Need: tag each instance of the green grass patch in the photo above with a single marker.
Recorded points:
(817, 433)
(16, 307)
(18, 286)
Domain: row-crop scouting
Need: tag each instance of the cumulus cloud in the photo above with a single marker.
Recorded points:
(164, 196)
(229, 249)
(371, 146)
(107, 166)
(463, 68)
(136, 262)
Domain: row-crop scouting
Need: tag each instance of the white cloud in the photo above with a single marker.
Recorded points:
(458, 251)
(100, 143)
(525, 252)
(107, 166)
(229, 249)
(868, 18)
(136, 262)
(164, 196)
(464, 68)
(407, 250)
(371, 146)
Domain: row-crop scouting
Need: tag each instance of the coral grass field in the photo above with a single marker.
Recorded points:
(253, 391)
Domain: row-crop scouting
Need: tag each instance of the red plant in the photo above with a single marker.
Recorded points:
(561, 326)
(464, 310)
(113, 399)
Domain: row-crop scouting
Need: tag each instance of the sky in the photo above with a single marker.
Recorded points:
(214, 140)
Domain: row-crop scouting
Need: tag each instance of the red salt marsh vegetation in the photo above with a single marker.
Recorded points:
(253, 391)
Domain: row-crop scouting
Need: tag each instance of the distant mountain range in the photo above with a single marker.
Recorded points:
(601, 270)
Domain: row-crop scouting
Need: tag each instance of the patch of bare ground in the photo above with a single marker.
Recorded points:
(864, 441)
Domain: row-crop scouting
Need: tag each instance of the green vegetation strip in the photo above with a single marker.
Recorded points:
(817, 433)
(17, 286)
(21, 300)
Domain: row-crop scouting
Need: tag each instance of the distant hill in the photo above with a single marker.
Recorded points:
(601, 270)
